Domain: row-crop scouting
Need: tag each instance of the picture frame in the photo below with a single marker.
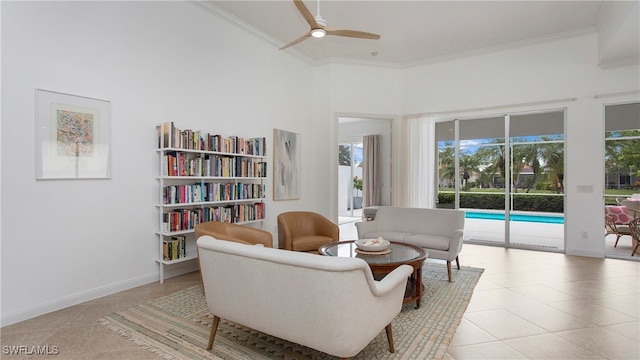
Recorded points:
(286, 165)
(72, 136)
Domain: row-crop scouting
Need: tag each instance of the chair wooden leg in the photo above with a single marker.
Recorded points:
(214, 328)
(458, 263)
(390, 338)
(635, 248)
(449, 270)
(617, 238)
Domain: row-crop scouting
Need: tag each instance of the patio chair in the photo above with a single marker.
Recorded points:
(634, 226)
(633, 206)
(617, 221)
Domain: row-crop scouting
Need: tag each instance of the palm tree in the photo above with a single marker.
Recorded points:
(469, 165)
(493, 157)
(447, 164)
(628, 155)
(552, 154)
(522, 155)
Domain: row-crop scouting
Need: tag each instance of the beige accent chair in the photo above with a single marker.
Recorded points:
(234, 232)
(305, 231)
(331, 304)
(438, 231)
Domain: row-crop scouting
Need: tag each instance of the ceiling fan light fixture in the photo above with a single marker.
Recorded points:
(318, 33)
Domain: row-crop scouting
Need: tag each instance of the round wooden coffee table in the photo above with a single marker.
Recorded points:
(384, 263)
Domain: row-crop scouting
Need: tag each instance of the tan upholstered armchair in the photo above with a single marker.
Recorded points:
(305, 231)
(234, 232)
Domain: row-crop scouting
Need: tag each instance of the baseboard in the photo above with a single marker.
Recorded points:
(180, 269)
(74, 299)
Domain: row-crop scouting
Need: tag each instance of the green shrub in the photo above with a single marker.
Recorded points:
(495, 201)
(446, 198)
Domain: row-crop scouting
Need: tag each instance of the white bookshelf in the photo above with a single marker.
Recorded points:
(204, 177)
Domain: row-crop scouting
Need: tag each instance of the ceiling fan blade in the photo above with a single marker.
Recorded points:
(306, 14)
(301, 38)
(352, 33)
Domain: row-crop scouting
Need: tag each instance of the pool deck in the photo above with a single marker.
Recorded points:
(542, 236)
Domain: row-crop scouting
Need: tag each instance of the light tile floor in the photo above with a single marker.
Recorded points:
(75, 330)
(527, 305)
(542, 305)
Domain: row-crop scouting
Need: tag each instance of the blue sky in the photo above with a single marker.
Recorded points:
(357, 153)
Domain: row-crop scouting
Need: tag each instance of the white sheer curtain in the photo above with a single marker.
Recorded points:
(418, 162)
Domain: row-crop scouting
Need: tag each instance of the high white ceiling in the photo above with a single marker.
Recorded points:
(422, 31)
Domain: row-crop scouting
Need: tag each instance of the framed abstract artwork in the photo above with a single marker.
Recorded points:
(72, 136)
(286, 165)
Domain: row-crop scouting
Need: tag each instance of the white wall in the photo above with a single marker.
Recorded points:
(561, 69)
(67, 241)
(360, 91)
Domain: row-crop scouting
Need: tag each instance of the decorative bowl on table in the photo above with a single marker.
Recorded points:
(373, 245)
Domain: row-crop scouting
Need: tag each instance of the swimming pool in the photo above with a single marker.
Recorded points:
(548, 219)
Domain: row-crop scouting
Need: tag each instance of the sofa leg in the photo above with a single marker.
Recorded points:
(449, 270)
(390, 338)
(458, 263)
(214, 328)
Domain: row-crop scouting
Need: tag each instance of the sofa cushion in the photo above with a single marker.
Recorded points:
(310, 242)
(419, 221)
(434, 242)
(387, 235)
(620, 214)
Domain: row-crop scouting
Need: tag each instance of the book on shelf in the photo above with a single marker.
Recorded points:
(169, 136)
(174, 248)
(191, 164)
(187, 219)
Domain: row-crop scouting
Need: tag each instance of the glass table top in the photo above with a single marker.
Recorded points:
(400, 253)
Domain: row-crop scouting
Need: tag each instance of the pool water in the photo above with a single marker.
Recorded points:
(516, 217)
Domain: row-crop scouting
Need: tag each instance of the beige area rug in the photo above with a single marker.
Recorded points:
(177, 326)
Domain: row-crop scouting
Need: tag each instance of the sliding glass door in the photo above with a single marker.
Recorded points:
(512, 187)
(622, 166)
(536, 219)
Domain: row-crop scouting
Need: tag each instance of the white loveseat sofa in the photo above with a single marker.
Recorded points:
(330, 304)
(438, 231)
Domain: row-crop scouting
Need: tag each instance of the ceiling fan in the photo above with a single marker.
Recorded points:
(319, 27)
